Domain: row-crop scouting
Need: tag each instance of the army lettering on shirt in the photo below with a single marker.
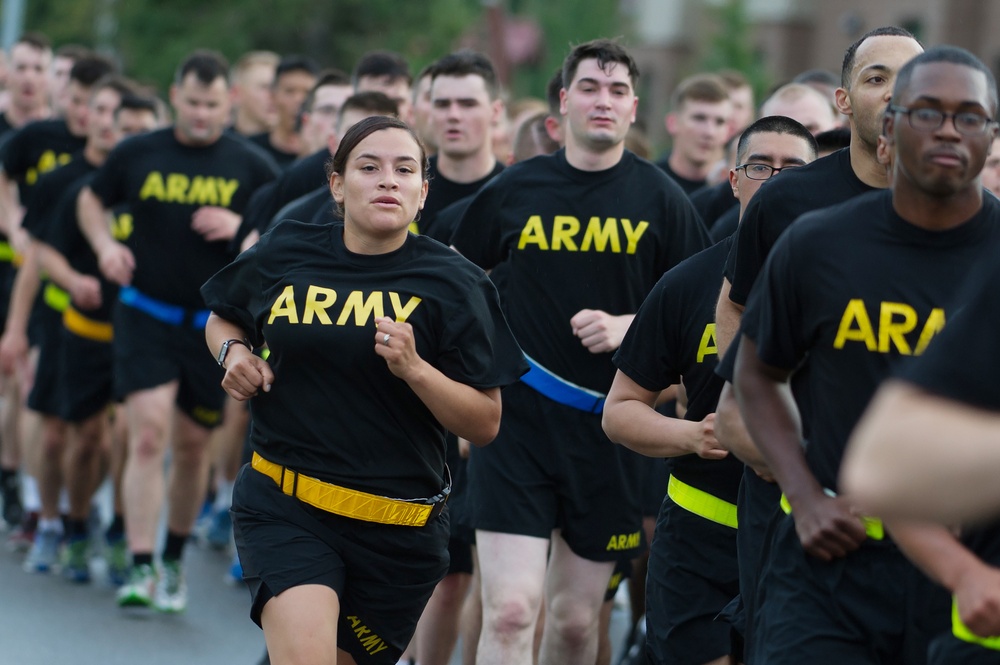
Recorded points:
(164, 182)
(673, 338)
(36, 149)
(779, 202)
(567, 240)
(315, 303)
(848, 295)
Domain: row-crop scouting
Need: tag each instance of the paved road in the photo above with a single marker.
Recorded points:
(45, 620)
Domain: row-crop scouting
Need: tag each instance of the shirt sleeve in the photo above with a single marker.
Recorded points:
(235, 294)
(645, 353)
(477, 347)
(478, 235)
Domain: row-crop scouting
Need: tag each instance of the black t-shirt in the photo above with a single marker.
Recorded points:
(164, 182)
(63, 234)
(568, 240)
(673, 338)
(726, 226)
(317, 207)
(5, 129)
(335, 411)
(299, 179)
(962, 365)
(689, 186)
(778, 203)
(39, 213)
(35, 149)
(281, 158)
(442, 193)
(712, 202)
(846, 296)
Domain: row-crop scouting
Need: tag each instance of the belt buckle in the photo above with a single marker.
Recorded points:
(437, 501)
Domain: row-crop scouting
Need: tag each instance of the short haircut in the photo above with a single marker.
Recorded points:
(468, 63)
(295, 63)
(379, 64)
(607, 53)
(35, 40)
(531, 138)
(699, 88)
(733, 79)
(327, 77)
(205, 64)
(123, 86)
(372, 102)
(852, 51)
(833, 139)
(791, 92)
(820, 76)
(89, 70)
(135, 102)
(552, 93)
(253, 59)
(72, 52)
(774, 124)
(951, 54)
(361, 131)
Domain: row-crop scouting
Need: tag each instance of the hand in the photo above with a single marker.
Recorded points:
(400, 352)
(246, 374)
(13, 352)
(85, 292)
(117, 263)
(599, 331)
(19, 238)
(827, 527)
(978, 597)
(705, 445)
(215, 223)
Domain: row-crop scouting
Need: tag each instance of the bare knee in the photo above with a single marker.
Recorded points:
(574, 622)
(510, 616)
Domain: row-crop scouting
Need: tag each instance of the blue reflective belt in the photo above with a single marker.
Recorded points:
(163, 311)
(560, 390)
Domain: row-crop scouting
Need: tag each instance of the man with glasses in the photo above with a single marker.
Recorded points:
(849, 295)
(693, 565)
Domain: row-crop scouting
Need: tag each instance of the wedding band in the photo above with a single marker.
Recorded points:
(385, 339)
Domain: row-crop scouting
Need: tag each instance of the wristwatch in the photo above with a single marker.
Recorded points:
(224, 351)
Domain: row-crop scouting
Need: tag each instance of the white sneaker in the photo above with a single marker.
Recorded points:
(171, 590)
(138, 590)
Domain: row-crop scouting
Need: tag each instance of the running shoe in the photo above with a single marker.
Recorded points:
(171, 590)
(116, 557)
(44, 553)
(76, 561)
(138, 590)
(219, 531)
(23, 536)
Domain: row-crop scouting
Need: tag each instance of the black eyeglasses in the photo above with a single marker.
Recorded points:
(763, 171)
(929, 120)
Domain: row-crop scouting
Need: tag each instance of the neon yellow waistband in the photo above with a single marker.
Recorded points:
(702, 503)
(962, 632)
(55, 297)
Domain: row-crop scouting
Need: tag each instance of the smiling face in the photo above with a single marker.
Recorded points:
(941, 162)
(382, 186)
(599, 105)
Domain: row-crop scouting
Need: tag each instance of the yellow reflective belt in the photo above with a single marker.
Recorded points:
(7, 253)
(55, 297)
(702, 503)
(962, 632)
(80, 325)
(873, 525)
(341, 500)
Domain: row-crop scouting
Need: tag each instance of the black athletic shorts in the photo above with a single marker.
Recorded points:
(622, 572)
(85, 377)
(872, 606)
(552, 466)
(149, 353)
(757, 508)
(947, 649)
(383, 574)
(692, 576)
(656, 475)
(44, 395)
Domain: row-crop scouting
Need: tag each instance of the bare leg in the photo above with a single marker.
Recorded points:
(300, 626)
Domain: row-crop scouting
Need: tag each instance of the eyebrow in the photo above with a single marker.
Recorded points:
(936, 100)
(368, 155)
(771, 158)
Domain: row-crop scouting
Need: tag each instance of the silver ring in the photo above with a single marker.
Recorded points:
(385, 339)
